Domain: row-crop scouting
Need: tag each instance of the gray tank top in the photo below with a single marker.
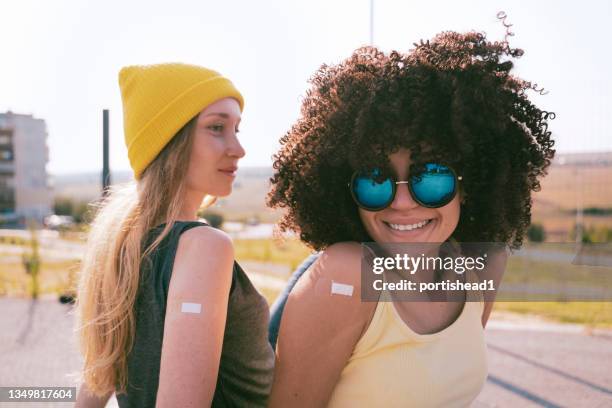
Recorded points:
(247, 359)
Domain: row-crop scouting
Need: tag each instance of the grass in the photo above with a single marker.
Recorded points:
(532, 271)
(60, 276)
(269, 293)
(11, 240)
(54, 278)
(290, 252)
(565, 186)
(593, 314)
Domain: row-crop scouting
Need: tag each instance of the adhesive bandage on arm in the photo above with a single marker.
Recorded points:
(191, 307)
(341, 289)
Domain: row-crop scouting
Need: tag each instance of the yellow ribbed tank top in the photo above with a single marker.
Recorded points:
(393, 366)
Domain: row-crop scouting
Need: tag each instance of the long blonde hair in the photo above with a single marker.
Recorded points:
(110, 272)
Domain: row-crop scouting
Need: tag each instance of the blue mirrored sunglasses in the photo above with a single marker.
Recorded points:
(433, 187)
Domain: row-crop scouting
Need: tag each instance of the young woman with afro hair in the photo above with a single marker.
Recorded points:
(451, 106)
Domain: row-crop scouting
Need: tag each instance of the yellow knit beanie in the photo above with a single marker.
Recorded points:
(158, 100)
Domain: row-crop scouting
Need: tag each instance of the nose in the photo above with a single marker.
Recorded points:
(235, 149)
(403, 199)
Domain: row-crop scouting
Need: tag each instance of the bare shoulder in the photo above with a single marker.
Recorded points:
(323, 320)
(207, 239)
(340, 262)
(204, 259)
(332, 286)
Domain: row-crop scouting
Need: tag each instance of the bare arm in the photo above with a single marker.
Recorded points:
(319, 330)
(85, 399)
(191, 348)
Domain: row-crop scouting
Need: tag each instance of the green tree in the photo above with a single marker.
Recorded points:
(63, 206)
(536, 233)
(79, 210)
(213, 218)
(31, 261)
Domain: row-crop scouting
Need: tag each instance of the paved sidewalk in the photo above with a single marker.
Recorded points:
(547, 368)
(530, 365)
(37, 346)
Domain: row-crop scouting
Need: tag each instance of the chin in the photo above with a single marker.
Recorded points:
(222, 192)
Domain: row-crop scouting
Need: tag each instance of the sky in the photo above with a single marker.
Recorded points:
(60, 59)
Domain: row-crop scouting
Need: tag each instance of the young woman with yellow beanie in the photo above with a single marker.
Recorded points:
(166, 317)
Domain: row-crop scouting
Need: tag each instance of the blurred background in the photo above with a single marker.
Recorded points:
(58, 73)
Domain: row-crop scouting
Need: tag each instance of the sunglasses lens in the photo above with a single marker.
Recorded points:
(370, 194)
(435, 186)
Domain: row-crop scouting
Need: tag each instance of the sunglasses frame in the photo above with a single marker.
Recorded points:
(394, 184)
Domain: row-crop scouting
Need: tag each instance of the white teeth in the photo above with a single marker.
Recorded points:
(405, 227)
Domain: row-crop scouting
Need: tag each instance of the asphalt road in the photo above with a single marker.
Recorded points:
(530, 364)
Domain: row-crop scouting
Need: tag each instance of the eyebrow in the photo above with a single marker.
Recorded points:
(223, 115)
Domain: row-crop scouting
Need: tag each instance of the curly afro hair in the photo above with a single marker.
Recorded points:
(451, 99)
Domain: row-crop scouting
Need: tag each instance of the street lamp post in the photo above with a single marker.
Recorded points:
(372, 22)
(105, 162)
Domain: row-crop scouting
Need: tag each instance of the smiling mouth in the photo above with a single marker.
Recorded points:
(228, 172)
(408, 227)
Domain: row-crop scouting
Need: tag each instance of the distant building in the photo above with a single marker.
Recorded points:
(24, 187)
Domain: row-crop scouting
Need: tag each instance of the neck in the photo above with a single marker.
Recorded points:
(191, 203)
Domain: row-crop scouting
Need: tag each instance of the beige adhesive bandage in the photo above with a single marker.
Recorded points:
(191, 308)
(341, 289)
